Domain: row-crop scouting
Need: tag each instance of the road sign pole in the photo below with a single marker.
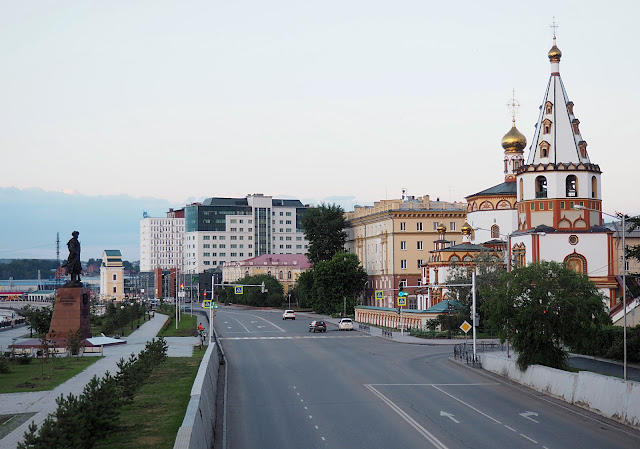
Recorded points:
(473, 296)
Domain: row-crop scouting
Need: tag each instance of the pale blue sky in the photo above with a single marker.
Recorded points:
(183, 100)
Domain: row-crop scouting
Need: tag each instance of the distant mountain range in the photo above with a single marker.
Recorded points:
(32, 217)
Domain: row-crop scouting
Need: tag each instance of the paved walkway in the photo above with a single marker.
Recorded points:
(43, 402)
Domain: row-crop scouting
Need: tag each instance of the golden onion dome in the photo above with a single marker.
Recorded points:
(466, 229)
(514, 140)
(554, 54)
(441, 228)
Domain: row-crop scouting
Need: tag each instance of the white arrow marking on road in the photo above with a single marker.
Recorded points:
(529, 415)
(450, 416)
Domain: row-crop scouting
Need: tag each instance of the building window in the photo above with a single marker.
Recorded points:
(403, 226)
(419, 266)
(452, 226)
(572, 186)
(206, 254)
(548, 107)
(281, 275)
(403, 264)
(419, 226)
(495, 232)
(541, 187)
(419, 246)
(114, 290)
(234, 254)
(206, 237)
(435, 225)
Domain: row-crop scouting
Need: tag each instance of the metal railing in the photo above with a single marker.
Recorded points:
(364, 327)
(387, 333)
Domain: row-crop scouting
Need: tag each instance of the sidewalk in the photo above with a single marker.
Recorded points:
(43, 402)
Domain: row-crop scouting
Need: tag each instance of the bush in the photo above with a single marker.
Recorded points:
(5, 367)
(23, 359)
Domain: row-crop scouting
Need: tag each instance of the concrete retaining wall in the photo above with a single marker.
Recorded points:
(607, 396)
(196, 431)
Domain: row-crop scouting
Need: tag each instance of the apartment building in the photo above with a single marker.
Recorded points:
(393, 239)
(111, 275)
(219, 231)
(161, 241)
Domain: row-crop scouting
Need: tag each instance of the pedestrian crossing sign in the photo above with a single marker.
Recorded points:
(238, 290)
(380, 294)
(206, 304)
(402, 301)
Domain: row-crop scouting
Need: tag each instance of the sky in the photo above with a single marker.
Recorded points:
(323, 101)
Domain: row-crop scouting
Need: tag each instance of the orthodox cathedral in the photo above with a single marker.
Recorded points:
(547, 208)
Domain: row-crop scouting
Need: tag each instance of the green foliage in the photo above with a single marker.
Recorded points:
(608, 343)
(542, 307)
(253, 296)
(324, 228)
(39, 318)
(75, 342)
(28, 268)
(79, 421)
(5, 367)
(330, 282)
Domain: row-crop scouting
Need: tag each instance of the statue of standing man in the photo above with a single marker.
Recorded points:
(73, 265)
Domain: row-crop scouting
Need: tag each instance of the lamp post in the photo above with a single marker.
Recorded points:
(624, 284)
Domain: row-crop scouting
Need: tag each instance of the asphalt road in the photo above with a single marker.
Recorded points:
(288, 388)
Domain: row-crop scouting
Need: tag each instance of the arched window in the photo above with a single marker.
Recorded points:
(519, 252)
(495, 232)
(594, 187)
(280, 275)
(268, 273)
(572, 186)
(576, 262)
(289, 275)
(246, 273)
(541, 187)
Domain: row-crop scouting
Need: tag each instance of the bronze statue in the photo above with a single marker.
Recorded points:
(73, 265)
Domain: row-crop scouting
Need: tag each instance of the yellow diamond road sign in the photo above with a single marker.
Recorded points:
(465, 327)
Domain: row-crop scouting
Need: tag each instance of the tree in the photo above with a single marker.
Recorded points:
(335, 282)
(542, 307)
(39, 318)
(253, 296)
(324, 228)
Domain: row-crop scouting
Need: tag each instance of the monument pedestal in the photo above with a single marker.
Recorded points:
(72, 311)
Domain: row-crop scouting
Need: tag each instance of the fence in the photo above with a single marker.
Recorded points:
(464, 351)
(364, 327)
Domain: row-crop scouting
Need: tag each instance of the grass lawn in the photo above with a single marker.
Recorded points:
(56, 371)
(157, 412)
(187, 326)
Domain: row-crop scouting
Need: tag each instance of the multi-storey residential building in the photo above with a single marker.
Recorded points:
(393, 238)
(161, 241)
(223, 230)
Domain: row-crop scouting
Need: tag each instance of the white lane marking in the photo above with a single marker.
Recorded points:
(524, 436)
(245, 327)
(310, 417)
(450, 416)
(468, 405)
(529, 415)
(322, 438)
(260, 318)
(317, 428)
(513, 430)
(298, 337)
(424, 432)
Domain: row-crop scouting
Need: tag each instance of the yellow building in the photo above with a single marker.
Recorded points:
(286, 268)
(111, 276)
(393, 238)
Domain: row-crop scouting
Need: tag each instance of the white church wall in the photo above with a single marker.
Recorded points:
(481, 222)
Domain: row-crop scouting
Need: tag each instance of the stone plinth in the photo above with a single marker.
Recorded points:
(71, 312)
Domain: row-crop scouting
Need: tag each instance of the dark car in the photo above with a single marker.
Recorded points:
(318, 326)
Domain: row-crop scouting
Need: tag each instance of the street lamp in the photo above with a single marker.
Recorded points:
(624, 282)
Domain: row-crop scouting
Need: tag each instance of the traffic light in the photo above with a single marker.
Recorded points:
(181, 286)
(205, 294)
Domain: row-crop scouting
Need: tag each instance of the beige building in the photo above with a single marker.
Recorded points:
(286, 268)
(393, 238)
(111, 275)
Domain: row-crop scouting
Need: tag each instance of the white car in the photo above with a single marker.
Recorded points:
(345, 324)
(289, 315)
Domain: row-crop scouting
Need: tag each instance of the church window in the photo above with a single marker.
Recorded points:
(516, 165)
(576, 262)
(467, 259)
(574, 124)
(561, 204)
(541, 206)
(544, 148)
(570, 107)
(495, 232)
(594, 187)
(572, 186)
(541, 187)
(519, 252)
(454, 259)
(550, 205)
(548, 107)
(546, 126)
(583, 148)
(533, 206)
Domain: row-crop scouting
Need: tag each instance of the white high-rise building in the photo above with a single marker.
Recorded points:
(161, 241)
(224, 230)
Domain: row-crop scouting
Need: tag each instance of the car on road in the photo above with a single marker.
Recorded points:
(289, 315)
(345, 324)
(318, 326)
